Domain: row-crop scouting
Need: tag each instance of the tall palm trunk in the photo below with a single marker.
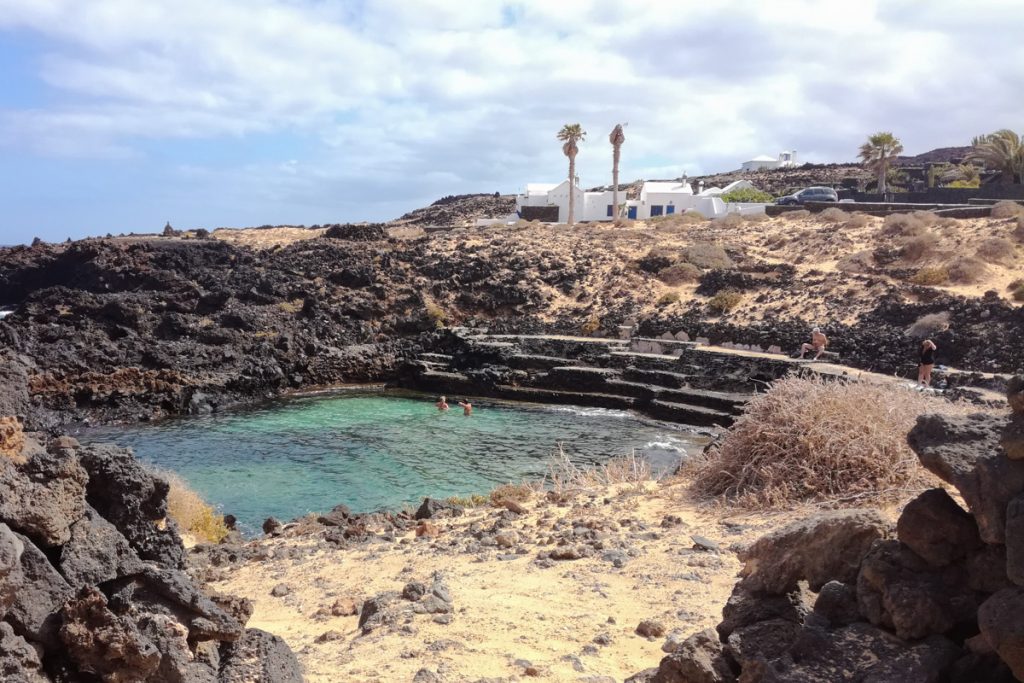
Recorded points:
(882, 187)
(617, 137)
(572, 186)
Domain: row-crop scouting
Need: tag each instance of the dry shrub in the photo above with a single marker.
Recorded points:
(679, 273)
(918, 247)
(590, 325)
(725, 301)
(903, 225)
(857, 220)
(668, 298)
(859, 262)
(1018, 233)
(564, 475)
(796, 215)
(1016, 290)
(928, 325)
(931, 276)
(754, 217)
(816, 440)
(730, 220)
(834, 215)
(517, 493)
(927, 218)
(435, 313)
(707, 256)
(996, 250)
(1007, 209)
(192, 514)
(966, 270)
(472, 501)
(293, 306)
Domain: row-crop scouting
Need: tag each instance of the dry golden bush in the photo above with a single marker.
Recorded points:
(1018, 232)
(192, 514)
(903, 225)
(755, 217)
(517, 493)
(669, 298)
(928, 218)
(706, 255)
(817, 440)
(919, 246)
(725, 301)
(857, 220)
(996, 250)
(565, 476)
(1007, 209)
(679, 273)
(859, 262)
(834, 215)
(730, 220)
(928, 325)
(797, 215)
(931, 276)
(966, 270)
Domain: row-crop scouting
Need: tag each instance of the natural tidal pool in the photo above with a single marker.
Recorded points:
(382, 450)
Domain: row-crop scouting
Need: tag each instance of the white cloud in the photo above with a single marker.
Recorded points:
(445, 95)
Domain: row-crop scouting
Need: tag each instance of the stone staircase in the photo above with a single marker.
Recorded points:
(608, 373)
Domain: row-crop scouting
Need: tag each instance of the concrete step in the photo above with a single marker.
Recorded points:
(532, 361)
(689, 414)
(436, 357)
(664, 378)
(540, 395)
(724, 401)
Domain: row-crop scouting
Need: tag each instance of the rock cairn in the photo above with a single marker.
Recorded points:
(842, 596)
(93, 584)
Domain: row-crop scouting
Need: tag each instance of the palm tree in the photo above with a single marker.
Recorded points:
(617, 137)
(1000, 151)
(877, 154)
(570, 134)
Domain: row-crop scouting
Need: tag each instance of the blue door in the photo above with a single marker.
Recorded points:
(670, 209)
(631, 213)
(657, 210)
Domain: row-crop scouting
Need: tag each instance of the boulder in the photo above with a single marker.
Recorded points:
(965, 452)
(259, 656)
(171, 591)
(37, 593)
(899, 590)
(14, 376)
(999, 619)
(1012, 438)
(11, 549)
(102, 643)
(339, 515)
(431, 508)
(745, 607)
(19, 661)
(134, 501)
(178, 662)
(43, 497)
(699, 659)
(837, 603)
(96, 553)
(1015, 540)
(1015, 394)
(987, 569)
(763, 640)
(937, 529)
(12, 439)
(826, 547)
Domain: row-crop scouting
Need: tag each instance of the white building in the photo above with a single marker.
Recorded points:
(757, 163)
(657, 198)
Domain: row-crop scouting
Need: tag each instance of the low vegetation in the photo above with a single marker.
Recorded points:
(725, 301)
(1016, 290)
(996, 250)
(966, 270)
(903, 225)
(928, 325)
(816, 440)
(747, 195)
(668, 298)
(707, 256)
(931, 276)
(1007, 209)
(834, 215)
(679, 273)
(919, 246)
(857, 220)
(565, 476)
(192, 514)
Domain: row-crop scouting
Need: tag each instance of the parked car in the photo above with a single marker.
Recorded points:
(809, 194)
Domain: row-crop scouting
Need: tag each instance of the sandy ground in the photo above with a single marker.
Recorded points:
(509, 612)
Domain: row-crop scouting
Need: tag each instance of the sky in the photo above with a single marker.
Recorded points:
(120, 115)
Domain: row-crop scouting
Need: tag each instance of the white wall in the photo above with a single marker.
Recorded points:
(596, 206)
(758, 165)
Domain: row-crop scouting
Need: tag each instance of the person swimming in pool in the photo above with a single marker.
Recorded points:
(467, 407)
(442, 403)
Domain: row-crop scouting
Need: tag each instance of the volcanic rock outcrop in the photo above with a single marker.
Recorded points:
(842, 597)
(92, 580)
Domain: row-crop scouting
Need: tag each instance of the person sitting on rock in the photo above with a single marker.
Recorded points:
(467, 407)
(442, 403)
(924, 370)
(818, 343)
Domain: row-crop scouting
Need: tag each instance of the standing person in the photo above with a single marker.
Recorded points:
(442, 403)
(924, 370)
(467, 407)
(818, 343)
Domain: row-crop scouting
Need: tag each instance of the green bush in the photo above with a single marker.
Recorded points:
(668, 298)
(679, 273)
(747, 195)
(707, 256)
(931, 276)
(725, 301)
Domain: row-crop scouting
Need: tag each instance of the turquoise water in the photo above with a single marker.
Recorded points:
(374, 451)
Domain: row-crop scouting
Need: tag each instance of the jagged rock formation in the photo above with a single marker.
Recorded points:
(460, 209)
(92, 580)
(941, 599)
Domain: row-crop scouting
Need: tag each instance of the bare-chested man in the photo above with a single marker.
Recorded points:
(467, 407)
(818, 343)
(442, 403)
